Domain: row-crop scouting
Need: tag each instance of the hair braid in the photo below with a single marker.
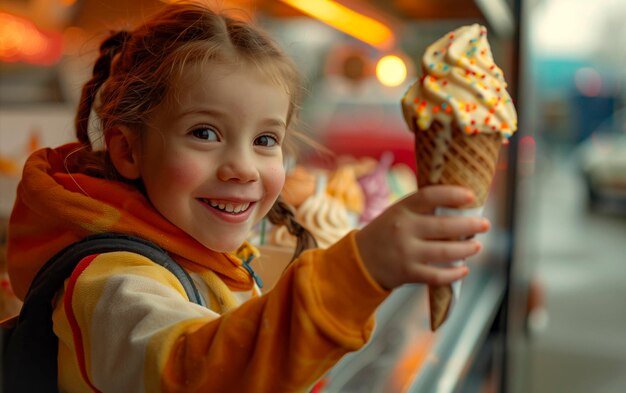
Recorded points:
(101, 70)
(283, 214)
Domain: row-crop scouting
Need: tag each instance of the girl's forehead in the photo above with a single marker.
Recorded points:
(216, 70)
(226, 87)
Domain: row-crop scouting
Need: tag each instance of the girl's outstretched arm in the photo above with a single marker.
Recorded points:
(125, 325)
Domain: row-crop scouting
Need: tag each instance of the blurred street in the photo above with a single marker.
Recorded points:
(582, 264)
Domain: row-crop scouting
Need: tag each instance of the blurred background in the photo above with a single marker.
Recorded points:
(542, 310)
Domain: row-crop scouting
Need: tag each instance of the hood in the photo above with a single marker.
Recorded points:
(56, 206)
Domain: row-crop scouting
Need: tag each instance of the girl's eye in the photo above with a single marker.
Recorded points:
(205, 133)
(266, 140)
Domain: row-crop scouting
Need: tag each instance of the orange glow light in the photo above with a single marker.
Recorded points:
(344, 19)
(20, 40)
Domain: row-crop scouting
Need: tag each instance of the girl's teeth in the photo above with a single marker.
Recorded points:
(228, 207)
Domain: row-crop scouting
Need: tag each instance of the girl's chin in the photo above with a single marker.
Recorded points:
(223, 246)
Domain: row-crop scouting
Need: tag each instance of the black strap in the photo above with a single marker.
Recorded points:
(30, 348)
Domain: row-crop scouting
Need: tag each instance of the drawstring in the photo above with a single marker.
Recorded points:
(255, 277)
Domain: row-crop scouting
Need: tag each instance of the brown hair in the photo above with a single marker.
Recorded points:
(134, 71)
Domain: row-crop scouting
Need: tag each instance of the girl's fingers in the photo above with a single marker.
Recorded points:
(436, 251)
(428, 198)
(450, 227)
(437, 275)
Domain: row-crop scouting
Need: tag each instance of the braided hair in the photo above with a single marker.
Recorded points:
(282, 213)
(109, 48)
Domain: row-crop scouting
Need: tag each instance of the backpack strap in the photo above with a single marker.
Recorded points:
(110, 242)
(30, 347)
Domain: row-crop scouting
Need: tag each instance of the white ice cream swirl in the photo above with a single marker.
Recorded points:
(324, 216)
(461, 85)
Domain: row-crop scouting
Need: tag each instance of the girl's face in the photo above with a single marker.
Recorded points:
(211, 159)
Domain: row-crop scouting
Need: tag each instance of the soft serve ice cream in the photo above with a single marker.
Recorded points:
(461, 86)
(325, 216)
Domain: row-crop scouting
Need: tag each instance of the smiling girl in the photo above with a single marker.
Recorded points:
(195, 110)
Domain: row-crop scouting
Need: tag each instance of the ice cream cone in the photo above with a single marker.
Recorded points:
(460, 112)
(451, 156)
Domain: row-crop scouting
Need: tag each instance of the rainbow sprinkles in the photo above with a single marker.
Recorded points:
(461, 85)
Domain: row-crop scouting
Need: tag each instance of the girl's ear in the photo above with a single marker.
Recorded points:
(123, 146)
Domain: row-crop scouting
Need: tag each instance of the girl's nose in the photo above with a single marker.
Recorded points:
(238, 168)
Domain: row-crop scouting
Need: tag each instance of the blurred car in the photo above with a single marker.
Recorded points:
(602, 159)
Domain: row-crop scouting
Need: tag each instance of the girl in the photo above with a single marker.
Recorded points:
(195, 110)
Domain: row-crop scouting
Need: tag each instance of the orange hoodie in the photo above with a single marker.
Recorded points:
(124, 323)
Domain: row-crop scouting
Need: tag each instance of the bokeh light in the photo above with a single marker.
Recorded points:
(21, 40)
(588, 81)
(391, 70)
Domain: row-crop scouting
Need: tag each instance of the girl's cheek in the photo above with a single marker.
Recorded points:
(275, 179)
(182, 174)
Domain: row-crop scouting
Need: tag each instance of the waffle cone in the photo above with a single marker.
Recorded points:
(456, 158)
(450, 156)
(439, 299)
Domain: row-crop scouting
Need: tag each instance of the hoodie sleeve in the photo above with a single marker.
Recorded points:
(125, 325)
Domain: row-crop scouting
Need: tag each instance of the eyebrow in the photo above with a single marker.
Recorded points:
(274, 122)
(204, 111)
(269, 122)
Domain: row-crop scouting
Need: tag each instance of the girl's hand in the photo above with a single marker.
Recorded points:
(404, 243)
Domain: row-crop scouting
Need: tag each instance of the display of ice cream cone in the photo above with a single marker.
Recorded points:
(325, 216)
(460, 112)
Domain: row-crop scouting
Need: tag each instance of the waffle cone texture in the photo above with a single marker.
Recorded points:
(456, 158)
